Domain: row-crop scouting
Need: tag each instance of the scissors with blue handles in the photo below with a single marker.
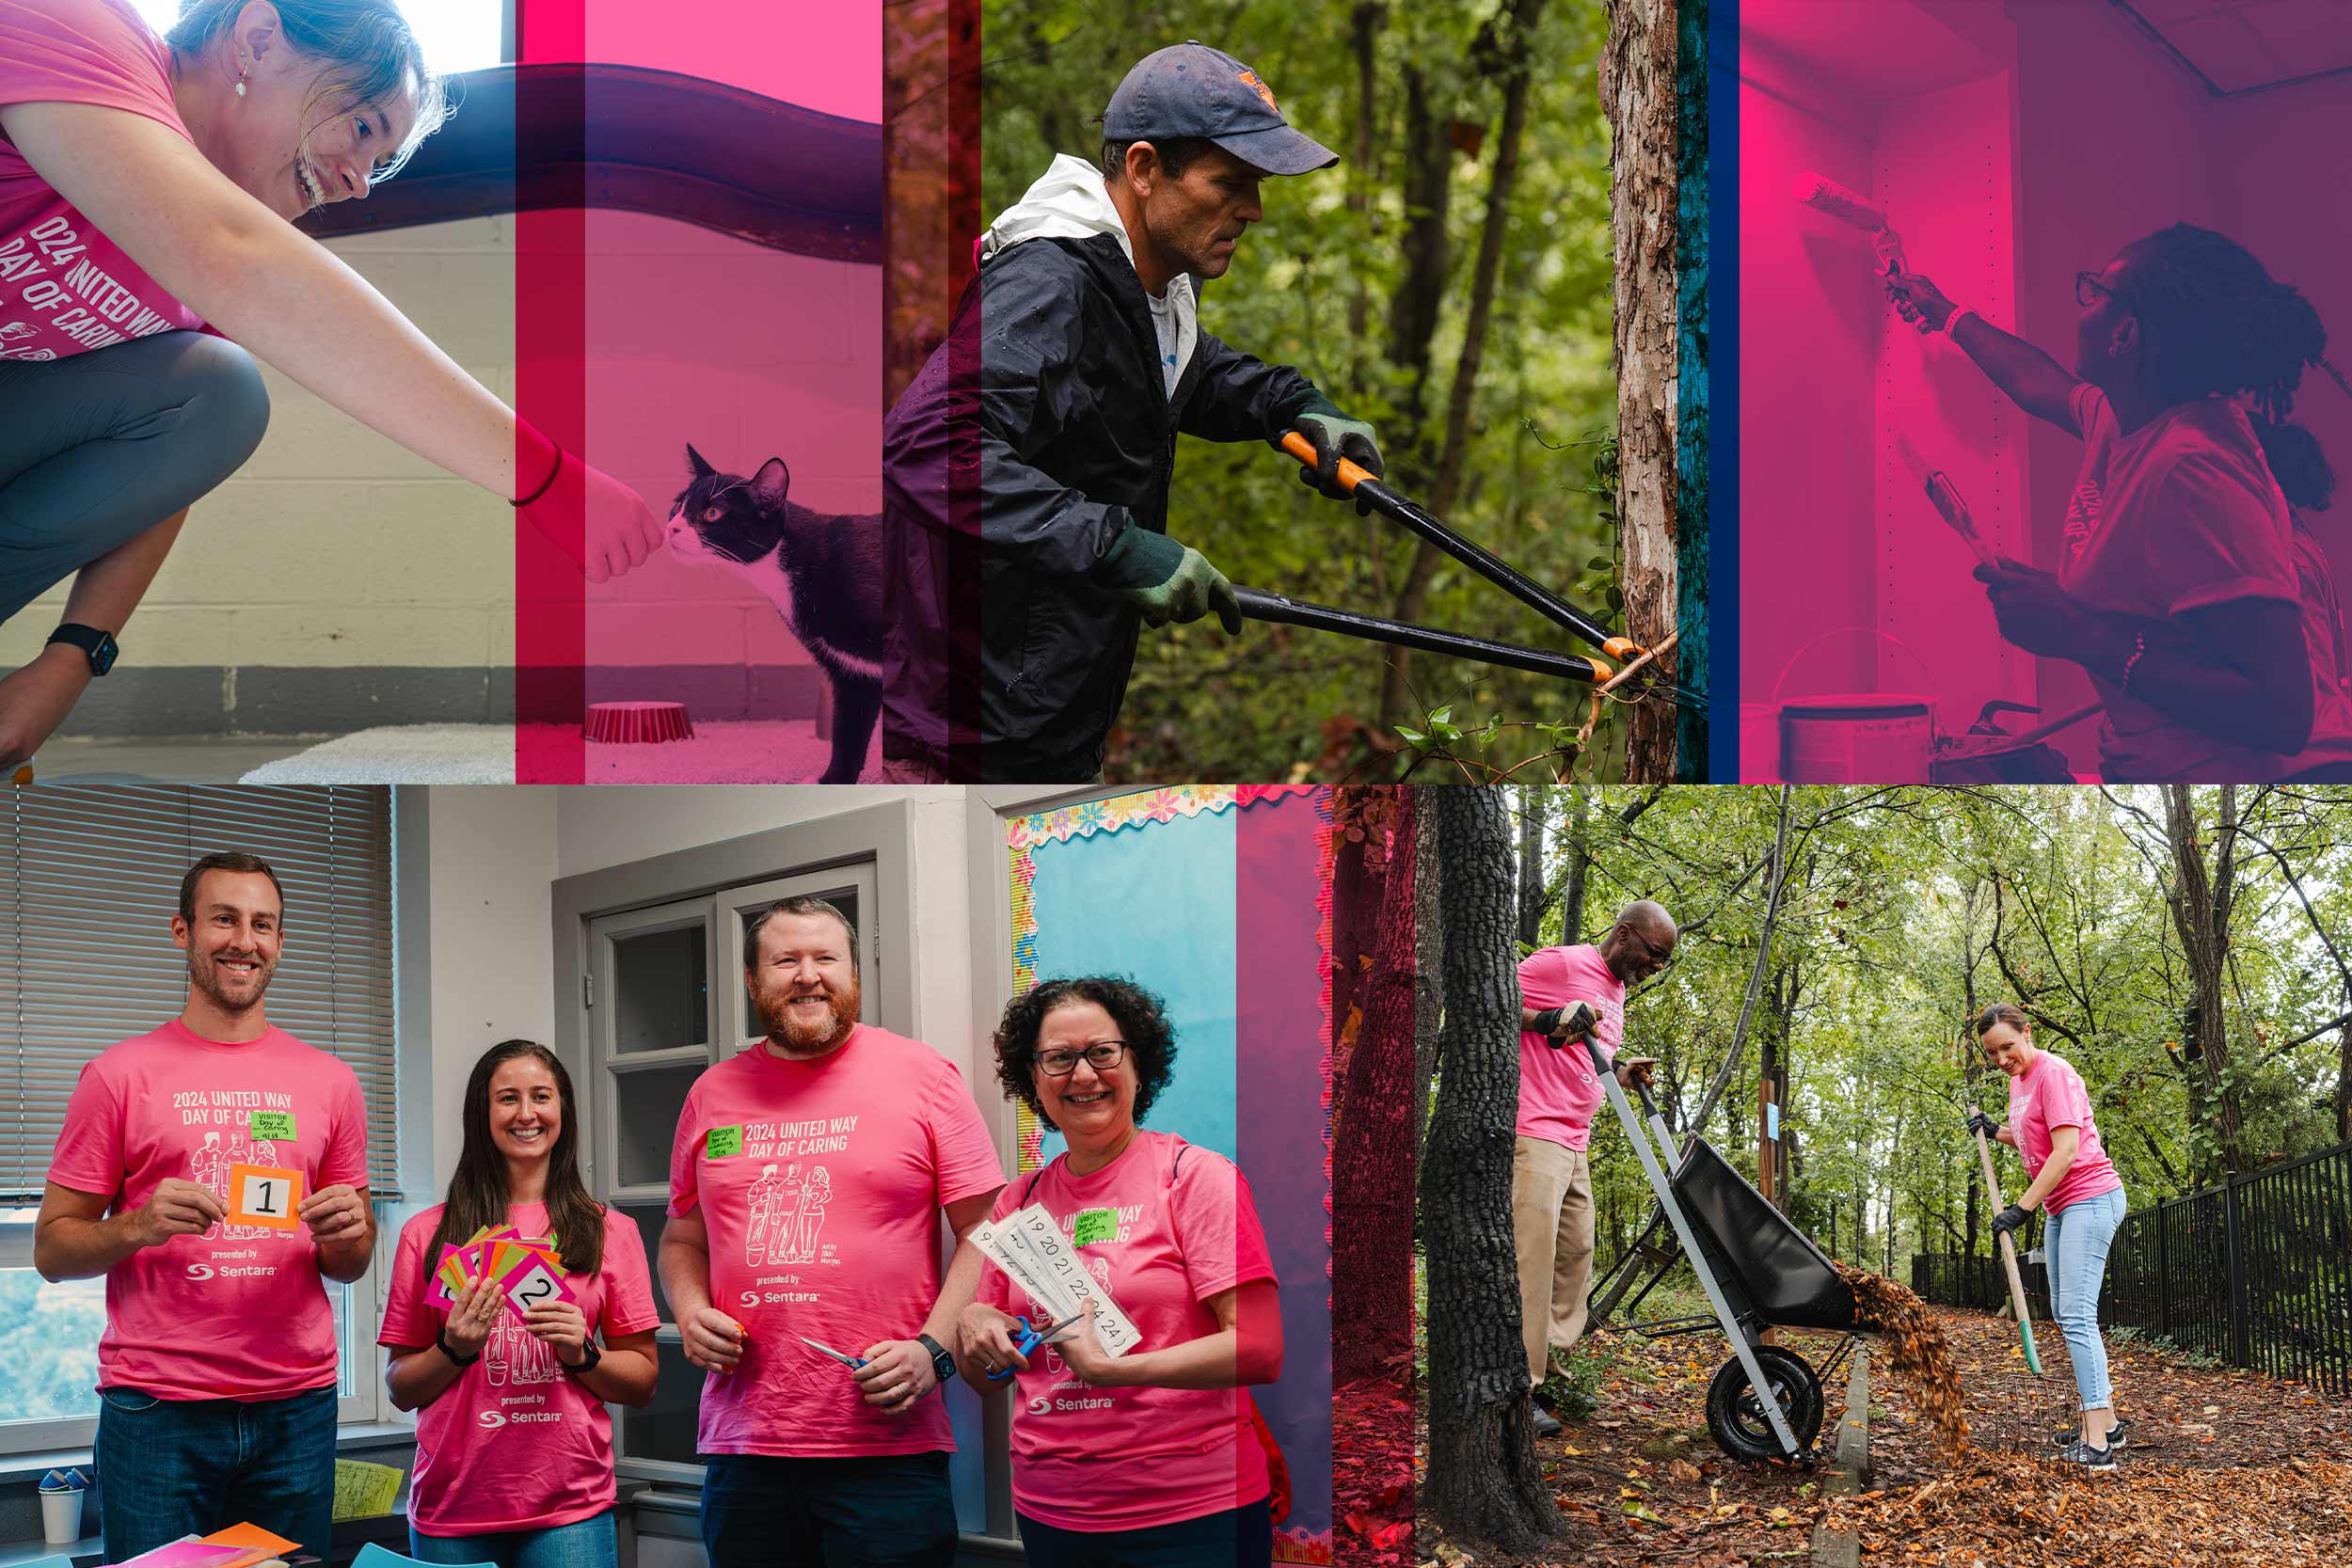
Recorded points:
(852, 1362)
(1028, 1340)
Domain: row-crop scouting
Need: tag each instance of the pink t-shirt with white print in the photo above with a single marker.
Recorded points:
(821, 1194)
(516, 1441)
(65, 288)
(2050, 1094)
(1167, 1226)
(1558, 1089)
(238, 1312)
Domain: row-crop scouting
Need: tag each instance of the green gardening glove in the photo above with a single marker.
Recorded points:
(1335, 437)
(1168, 580)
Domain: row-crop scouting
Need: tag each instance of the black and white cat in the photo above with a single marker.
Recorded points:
(821, 570)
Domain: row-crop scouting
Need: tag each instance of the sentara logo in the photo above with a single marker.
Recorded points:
(491, 1421)
(199, 1270)
(1263, 90)
(1041, 1406)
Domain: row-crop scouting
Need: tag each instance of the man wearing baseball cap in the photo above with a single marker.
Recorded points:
(1073, 365)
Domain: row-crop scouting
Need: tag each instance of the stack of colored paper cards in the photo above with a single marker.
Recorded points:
(238, 1547)
(526, 1269)
(1031, 1248)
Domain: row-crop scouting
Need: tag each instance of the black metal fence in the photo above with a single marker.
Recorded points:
(2255, 1273)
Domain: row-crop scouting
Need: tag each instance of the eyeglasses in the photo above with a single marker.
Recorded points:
(2088, 290)
(1102, 1057)
(1653, 961)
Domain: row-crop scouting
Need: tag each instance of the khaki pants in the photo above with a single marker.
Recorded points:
(1551, 1224)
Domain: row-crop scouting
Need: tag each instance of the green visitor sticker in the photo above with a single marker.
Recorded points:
(1095, 1225)
(723, 1143)
(270, 1124)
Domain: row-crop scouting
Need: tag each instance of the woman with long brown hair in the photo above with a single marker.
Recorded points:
(515, 1456)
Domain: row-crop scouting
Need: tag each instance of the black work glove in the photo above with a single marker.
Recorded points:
(1335, 435)
(1570, 1021)
(1168, 580)
(2008, 1219)
(1979, 1122)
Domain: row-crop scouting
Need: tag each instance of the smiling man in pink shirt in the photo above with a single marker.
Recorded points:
(806, 1184)
(1552, 1183)
(217, 1370)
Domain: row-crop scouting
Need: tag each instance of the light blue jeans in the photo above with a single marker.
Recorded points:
(2076, 1244)
(586, 1543)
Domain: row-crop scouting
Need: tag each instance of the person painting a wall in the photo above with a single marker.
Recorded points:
(1092, 360)
(2189, 588)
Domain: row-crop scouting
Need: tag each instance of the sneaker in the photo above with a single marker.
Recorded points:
(1546, 1423)
(2115, 1441)
(2082, 1453)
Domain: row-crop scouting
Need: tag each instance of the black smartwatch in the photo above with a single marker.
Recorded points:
(943, 1364)
(97, 646)
(586, 1367)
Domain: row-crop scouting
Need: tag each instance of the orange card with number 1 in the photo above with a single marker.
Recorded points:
(265, 1195)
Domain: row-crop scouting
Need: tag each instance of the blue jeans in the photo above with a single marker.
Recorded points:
(883, 1511)
(2077, 1243)
(98, 448)
(583, 1543)
(173, 1468)
(1237, 1537)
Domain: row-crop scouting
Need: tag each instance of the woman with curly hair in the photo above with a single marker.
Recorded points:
(2185, 588)
(1148, 1458)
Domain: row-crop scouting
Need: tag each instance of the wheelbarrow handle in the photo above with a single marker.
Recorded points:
(1602, 1065)
(1358, 481)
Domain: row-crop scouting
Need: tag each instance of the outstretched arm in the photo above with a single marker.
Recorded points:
(2031, 378)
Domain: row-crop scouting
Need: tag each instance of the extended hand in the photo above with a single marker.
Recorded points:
(896, 1374)
(1194, 588)
(1571, 1020)
(1979, 1122)
(2008, 1219)
(984, 1337)
(35, 699)
(1335, 435)
(560, 1323)
(472, 1314)
(1634, 1070)
(1082, 1350)
(712, 1339)
(1918, 301)
(335, 1214)
(2034, 613)
(178, 1208)
(603, 525)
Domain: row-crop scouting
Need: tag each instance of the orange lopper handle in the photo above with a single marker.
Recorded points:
(1351, 472)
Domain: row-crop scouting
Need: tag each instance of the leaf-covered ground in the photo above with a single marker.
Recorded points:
(2225, 1468)
(1372, 1474)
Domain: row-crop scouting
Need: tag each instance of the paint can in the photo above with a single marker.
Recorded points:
(1871, 737)
(1759, 743)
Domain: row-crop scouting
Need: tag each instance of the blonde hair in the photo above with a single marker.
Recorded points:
(371, 49)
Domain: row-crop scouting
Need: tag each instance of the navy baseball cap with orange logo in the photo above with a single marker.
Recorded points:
(1190, 90)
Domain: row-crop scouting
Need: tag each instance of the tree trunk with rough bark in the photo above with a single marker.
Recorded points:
(2201, 901)
(1579, 860)
(1639, 93)
(1428, 961)
(1485, 1480)
(1531, 806)
(1359, 862)
(1371, 1169)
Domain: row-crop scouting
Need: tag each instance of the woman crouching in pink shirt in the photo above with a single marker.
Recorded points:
(2074, 1183)
(513, 1443)
(1154, 1455)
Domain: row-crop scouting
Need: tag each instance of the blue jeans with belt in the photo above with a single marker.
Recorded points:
(2077, 1243)
(173, 1468)
(98, 448)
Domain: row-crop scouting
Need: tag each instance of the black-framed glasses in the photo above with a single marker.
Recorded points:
(1655, 960)
(1102, 1057)
(2090, 290)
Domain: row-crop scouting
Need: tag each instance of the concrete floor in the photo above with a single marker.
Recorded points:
(90, 760)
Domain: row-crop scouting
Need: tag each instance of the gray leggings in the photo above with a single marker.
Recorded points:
(98, 448)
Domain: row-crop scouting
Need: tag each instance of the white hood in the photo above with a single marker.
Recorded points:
(1069, 202)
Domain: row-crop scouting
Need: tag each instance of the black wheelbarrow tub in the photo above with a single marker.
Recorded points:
(1768, 1268)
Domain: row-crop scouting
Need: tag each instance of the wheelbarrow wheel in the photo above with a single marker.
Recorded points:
(1736, 1417)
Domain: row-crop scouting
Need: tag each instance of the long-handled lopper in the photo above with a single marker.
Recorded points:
(1360, 485)
(2009, 1261)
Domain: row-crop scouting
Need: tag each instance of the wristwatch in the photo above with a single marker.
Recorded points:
(586, 1367)
(97, 646)
(943, 1364)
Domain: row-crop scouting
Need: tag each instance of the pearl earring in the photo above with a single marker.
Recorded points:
(240, 87)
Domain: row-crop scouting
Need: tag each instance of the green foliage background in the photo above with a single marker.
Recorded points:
(1891, 892)
(1282, 702)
